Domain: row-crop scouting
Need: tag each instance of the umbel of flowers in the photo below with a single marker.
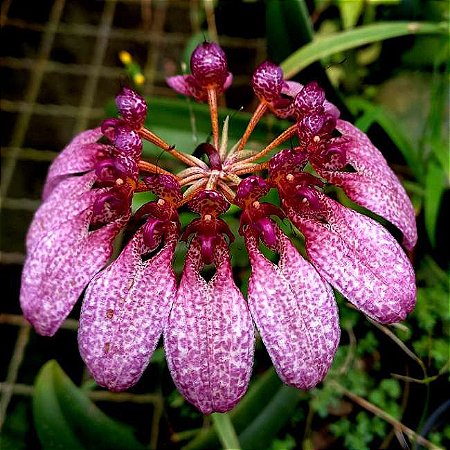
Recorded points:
(208, 327)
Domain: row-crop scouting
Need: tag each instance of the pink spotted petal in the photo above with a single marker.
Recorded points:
(228, 82)
(295, 312)
(209, 338)
(124, 311)
(60, 266)
(69, 198)
(185, 85)
(374, 185)
(362, 260)
(78, 157)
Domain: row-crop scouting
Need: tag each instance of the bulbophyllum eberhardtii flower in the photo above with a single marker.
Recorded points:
(206, 323)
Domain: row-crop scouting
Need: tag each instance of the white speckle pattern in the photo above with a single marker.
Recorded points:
(60, 266)
(69, 198)
(374, 185)
(79, 156)
(124, 311)
(361, 259)
(295, 312)
(209, 339)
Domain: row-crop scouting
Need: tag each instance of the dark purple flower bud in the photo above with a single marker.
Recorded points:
(250, 190)
(109, 126)
(310, 126)
(310, 98)
(286, 162)
(128, 142)
(165, 187)
(209, 65)
(268, 81)
(115, 171)
(152, 232)
(110, 205)
(209, 202)
(332, 155)
(132, 107)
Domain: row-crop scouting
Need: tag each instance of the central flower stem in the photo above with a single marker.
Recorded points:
(212, 102)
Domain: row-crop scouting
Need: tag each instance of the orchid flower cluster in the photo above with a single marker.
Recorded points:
(208, 327)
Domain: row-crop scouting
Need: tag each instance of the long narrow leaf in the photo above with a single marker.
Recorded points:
(434, 189)
(271, 419)
(377, 114)
(66, 419)
(328, 45)
(288, 27)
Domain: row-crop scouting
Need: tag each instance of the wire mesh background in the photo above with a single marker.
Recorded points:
(59, 67)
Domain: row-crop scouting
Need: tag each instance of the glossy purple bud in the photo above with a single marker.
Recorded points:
(310, 98)
(209, 202)
(268, 81)
(209, 65)
(250, 190)
(309, 127)
(132, 107)
(164, 186)
(152, 232)
(115, 171)
(128, 142)
(109, 206)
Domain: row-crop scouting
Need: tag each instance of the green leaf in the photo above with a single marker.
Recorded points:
(225, 430)
(350, 12)
(271, 419)
(324, 46)
(374, 113)
(66, 419)
(288, 27)
(434, 189)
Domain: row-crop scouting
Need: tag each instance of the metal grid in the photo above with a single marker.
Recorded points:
(59, 66)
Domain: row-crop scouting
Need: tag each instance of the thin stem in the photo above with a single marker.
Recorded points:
(151, 168)
(224, 140)
(212, 102)
(190, 192)
(154, 139)
(226, 191)
(211, 20)
(212, 181)
(226, 432)
(189, 171)
(284, 136)
(251, 168)
(187, 159)
(256, 117)
(191, 178)
(390, 334)
(412, 435)
(141, 187)
(233, 178)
